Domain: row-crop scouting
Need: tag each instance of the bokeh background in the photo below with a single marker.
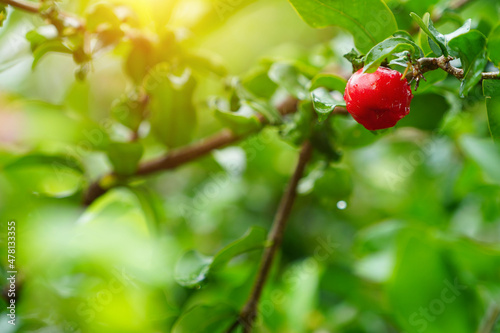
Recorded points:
(373, 239)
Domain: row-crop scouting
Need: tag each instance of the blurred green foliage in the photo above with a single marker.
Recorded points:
(396, 231)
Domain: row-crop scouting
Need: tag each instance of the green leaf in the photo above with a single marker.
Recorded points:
(323, 140)
(329, 81)
(173, 114)
(3, 14)
(420, 7)
(259, 84)
(259, 105)
(49, 175)
(239, 122)
(152, 205)
(141, 59)
(289, 77)
(206, 319)
(54, 45)
(253, 239)
(377, 237)
(33, 324)
(356, 59)
(108, 36)
(403, 34)
(206, 62)
(423, 41)
(264, 108)
(320, 182)
(400, 59)
(436, 41)
(304, 68)
(36, 39)
(481, 259)
(193, 268)
(471, 48)
(350, 133)
(303, 290)
(167, 49)
(494, 46)
(370, 22)
(427, 112)
(41, 159)
(429, 84)
(119, 207)
(438, 38)
(77, 98)
(129, 111)
(234, 101)
(325, 102)
(125, 157)
(388, 47)
(465, 28)
(411, 289)
(474, 74)
(299, 127)
(485, 154)
(102, 14)
(339, 176)
(491, 89)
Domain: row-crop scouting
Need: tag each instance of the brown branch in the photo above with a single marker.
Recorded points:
(224, 138)
(189, 153)
(183, 155)
(192, 152)
(23, 5)
(29, 7)
(430, 64)
(172, 160)
(459, 4)
(275, 237)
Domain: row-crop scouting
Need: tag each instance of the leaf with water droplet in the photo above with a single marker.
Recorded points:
(325, 102)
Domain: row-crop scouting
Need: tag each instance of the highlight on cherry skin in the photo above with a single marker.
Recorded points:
(378, 100)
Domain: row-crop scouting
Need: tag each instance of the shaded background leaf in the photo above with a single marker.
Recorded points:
(369, 22)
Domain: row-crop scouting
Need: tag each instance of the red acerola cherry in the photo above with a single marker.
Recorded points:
(378, 100)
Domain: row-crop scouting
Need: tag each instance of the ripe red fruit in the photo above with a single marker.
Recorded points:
(378, 100)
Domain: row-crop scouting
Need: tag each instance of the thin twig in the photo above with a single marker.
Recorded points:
(191, 152)
(172, 160)
(275, 237)
(23, 5)
(185, 154)
(29, 7)
(203, 147)
(459, 4)
(490, 320)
